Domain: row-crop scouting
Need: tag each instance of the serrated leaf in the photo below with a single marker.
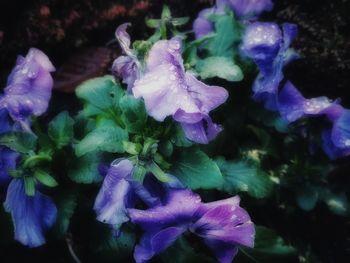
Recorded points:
(85, 169)
(61, 129)
(44, 178)
(101, 96)
(134, 114)
(106, 137)
(19, 141)
(196, 170)
(221, 67)
(242, 177)
(66, 204)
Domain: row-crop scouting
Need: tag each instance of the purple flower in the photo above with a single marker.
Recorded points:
(31, 215)
(118, 193)
(336, 141)
(8, 161)
(249, 9)
(223, 225)
(293, 106)
(29, 86)
(8, 158)
(243, 9)
(202, 26)
(170, 91)
(267, 45)
(126, 67)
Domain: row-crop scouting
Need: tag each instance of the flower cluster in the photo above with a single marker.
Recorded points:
(268, 46)
(172, 210)
(27, 94)
(245, 10)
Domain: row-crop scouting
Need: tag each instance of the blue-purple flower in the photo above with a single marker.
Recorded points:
(223, 225)
(29, 86)
(336, 141)
(118, 192)
(243, 9)
(293, 106)
(31, 215)
(8, 158)
(126, 67)
(168, 90)
(268, 46)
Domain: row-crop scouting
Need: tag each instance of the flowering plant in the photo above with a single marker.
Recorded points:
(165, 147)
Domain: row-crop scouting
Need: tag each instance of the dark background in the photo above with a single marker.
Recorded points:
(62, 28)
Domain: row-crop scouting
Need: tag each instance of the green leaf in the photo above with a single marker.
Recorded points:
(190, 52)
(166, 13)
(182, 252)
(153, 23)
(227, 35)
(179, 138)
(29, 185)
(269, 247)
(85, 169)
(61, 129)
(243, 177)
(106, 137)
(101, 96)
(180, 21)
(66, 204)
(158, 172)
(110, 248)
(44, 178)
(221, 67)
(134, 114)
(338, 203)
(19, 141)
(196, 170)
(306, 197)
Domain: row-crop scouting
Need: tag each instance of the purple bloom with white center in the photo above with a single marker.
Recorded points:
(267, 45)
(31, 215)
(243, 9)
(168, 90)
(29, 86)
(126, 67)
(223, 225)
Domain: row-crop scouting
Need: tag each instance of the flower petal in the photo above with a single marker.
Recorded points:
(123, 38)
(110, 203)
(153, 243)
(180, 206)
(201, 132)
(226, 222)
(31, 215)
(223, 251)
(8, 161)
(202, 26)
(250, 8)
(29, 86)
(164, 92)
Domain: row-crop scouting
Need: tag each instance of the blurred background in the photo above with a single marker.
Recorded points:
(65, 28)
